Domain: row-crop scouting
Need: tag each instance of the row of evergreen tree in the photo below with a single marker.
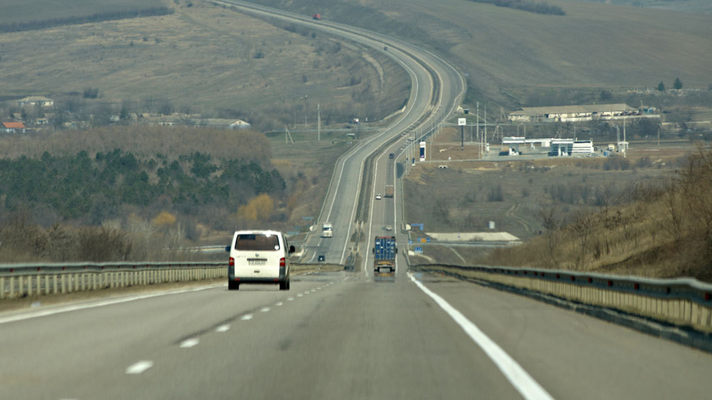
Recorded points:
(93, 189)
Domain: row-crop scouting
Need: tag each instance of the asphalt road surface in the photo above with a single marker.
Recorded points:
(336, 335)
(341, 335)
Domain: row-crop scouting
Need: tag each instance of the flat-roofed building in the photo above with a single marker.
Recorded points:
(573, 113)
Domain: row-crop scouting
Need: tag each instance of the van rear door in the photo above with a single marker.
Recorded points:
(257, 255)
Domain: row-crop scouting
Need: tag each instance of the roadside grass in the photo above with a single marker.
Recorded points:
(514, 194)
(307, 165)
(658, 226)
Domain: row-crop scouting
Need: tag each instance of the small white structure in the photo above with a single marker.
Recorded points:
(36, 101)
(569, 147)
(240, 124)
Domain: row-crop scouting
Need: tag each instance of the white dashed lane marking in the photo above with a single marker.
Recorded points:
(222, 328)
(188, 343)
(300, 295)
(139, 367)
(264, 309)
(290, 299)
(279, 304)
(246, 317)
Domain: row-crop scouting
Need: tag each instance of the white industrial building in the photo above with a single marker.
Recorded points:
(552, 146)
(576, 113)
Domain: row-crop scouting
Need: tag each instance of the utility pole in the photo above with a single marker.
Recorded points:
(625, 143)
(318, 122)
(477, 129)
(306, 97)
(485, 138)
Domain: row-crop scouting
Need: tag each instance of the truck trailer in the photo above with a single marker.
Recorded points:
(384, 258)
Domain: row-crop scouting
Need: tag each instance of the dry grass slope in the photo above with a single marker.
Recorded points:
(204, 59)
(593, 45)
(665, 233)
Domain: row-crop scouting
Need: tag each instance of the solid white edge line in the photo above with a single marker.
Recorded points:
(77, 307)
(515, 374)
(139, 367)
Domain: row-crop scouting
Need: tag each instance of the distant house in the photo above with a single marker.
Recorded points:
(33, 101)
(240, 124)
(14, 127)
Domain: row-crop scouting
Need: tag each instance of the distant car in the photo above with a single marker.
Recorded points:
(442, 166)
(379, 196)
(392, 156)
(321, 258)
(388, 228)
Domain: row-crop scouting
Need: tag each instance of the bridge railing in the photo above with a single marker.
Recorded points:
(20, 280)
(681, 301)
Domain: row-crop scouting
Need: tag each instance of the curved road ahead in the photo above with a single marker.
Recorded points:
(436, 89)
(340, 335)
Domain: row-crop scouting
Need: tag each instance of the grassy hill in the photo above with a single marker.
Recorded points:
(203, 59)
(593, 45)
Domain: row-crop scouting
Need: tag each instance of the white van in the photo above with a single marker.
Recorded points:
(327, 230)
(259, 257)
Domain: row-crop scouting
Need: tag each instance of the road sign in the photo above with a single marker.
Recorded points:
(418, 250)
(461, 121)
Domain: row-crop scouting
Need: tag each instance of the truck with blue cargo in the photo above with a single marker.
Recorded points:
(384, 258)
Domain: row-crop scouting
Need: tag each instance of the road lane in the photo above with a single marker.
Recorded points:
(576, 356)
(52, 356)
(357, 339)
(336, 335)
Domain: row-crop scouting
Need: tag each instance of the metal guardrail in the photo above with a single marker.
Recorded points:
(20, 280)
(682, 301)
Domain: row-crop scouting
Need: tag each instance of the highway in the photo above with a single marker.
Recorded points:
(339, 334)
(436, 89)
(335, 335)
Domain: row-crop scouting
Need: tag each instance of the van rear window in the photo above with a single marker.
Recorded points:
(257, 242)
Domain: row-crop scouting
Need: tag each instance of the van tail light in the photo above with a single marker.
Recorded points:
(232, 262)
(282, 262)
